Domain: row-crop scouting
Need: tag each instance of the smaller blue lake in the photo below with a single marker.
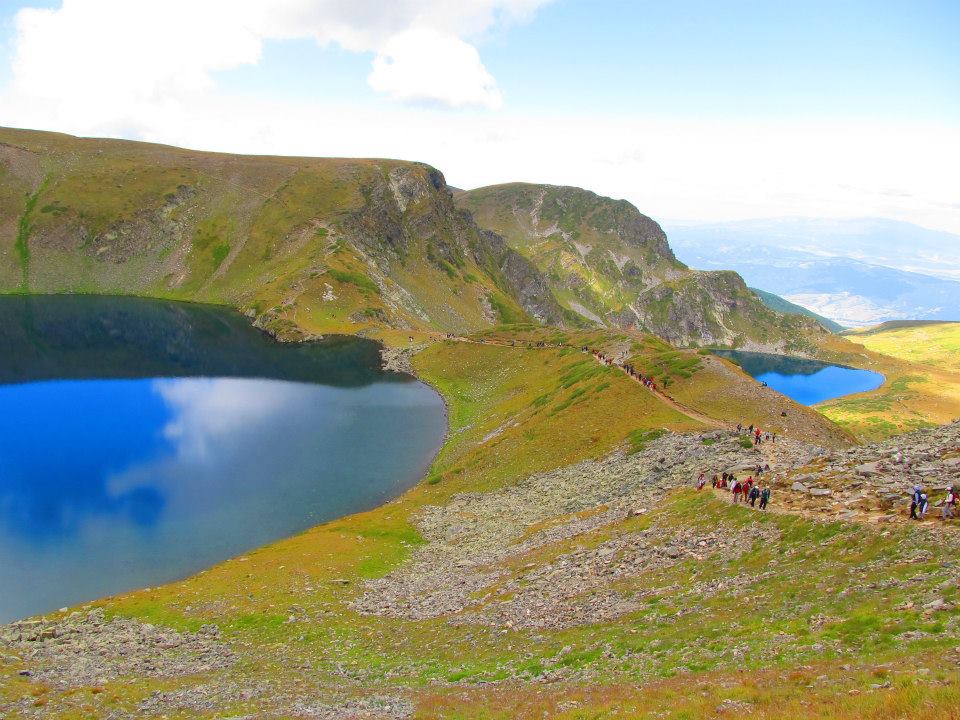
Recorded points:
(807, 382)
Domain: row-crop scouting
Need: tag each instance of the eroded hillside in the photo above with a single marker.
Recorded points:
(302, 243)
(611, 265)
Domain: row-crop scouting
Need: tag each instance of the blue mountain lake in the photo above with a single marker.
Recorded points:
(141, 441)
(808, 382)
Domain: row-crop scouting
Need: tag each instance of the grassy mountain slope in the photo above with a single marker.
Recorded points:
(611, 265)
(930, 343)
(775, 302)
(305, 243)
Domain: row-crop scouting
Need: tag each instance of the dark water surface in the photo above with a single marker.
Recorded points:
(143, 440)
(808, 382)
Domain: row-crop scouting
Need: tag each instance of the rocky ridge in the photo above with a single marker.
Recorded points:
(365, 242)
(314, 245)
(874, 482)
(610, 265)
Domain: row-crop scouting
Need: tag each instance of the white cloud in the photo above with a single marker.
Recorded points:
(409, 67)
(114, 64)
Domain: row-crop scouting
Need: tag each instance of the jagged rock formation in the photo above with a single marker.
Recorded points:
(608, 264)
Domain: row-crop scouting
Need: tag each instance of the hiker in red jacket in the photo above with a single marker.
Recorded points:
(737, 489)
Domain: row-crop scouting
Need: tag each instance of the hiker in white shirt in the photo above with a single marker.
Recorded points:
(948, 504)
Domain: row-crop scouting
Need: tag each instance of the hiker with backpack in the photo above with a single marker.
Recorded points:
(948, 504)
(915, 499)
(764, 498)
(754, 495)
(924, 505)
(737, 488)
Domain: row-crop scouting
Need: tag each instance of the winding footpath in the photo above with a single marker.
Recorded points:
(689, 412)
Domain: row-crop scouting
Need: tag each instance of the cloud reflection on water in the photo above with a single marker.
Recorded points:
(109, 485)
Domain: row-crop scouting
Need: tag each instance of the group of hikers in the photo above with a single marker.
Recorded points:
(920, 503)
(756, 434)
(626, 367)
(745, 491)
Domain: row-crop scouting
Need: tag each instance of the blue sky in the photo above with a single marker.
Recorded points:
(769, 90)
(729, 59)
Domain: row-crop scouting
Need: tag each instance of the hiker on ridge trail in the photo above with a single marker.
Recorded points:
(948, 504)
(701, 481)
(756, 436)
(764, 498)
(924, 505)
(737, 489)
(754, 494)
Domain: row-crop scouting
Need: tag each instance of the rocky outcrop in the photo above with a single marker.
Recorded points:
(717, 309)
(521, 278)
(874, 482)
(613, 266)
(86, 648)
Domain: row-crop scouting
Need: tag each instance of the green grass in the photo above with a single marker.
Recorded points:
(21, 243)
(354, 278)
(639, 439)
(935, 344)
(506, 313)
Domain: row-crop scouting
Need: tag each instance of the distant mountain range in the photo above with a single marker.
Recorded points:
(855, 272)
(775, 302)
